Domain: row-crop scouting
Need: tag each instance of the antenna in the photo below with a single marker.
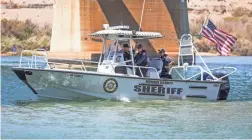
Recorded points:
(141, 16)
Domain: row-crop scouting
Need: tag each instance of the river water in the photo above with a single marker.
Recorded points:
(25, 117)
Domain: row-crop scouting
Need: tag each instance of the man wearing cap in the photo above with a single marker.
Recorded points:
(126, 54)
(167, 61)
(141, 59)
(127, 57)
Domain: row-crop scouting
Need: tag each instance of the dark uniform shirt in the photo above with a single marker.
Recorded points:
(141, 58)
(127, 57)
(166, 60)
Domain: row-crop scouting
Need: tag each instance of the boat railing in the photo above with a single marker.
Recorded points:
(40, 56)
(232, 70)
(33, 57)
(114, 60)
(151, 72)
(85, 65)
(202, 72)
(141, 71)
(187, 48)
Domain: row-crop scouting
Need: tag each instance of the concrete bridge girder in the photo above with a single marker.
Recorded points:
(75, 19)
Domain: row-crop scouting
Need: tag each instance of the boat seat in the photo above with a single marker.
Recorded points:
(158, 65)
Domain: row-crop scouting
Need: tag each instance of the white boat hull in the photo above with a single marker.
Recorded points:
(73, 85)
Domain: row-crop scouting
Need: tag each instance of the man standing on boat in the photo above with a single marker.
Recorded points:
(127, 57)
(167, 62)
(141, 59)
(126, 54)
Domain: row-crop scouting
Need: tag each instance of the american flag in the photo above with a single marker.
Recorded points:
(223, 40)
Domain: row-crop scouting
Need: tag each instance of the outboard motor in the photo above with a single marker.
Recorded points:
(224, 88)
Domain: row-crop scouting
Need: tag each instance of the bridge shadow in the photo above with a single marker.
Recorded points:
(179, 15)
(117, 13)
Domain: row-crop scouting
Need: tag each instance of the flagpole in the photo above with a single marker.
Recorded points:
(206, 18)
(199, 35)
(204, 22)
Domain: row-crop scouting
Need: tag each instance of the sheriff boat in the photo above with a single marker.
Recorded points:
(111, 78)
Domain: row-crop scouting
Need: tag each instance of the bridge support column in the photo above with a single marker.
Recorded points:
(66, 36)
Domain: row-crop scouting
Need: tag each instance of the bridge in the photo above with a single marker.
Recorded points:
(74, 20)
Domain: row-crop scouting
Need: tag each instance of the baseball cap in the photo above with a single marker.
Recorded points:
(139, 46)
(125, 46)
(161, 50)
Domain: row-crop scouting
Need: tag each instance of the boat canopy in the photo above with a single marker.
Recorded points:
(125, 34)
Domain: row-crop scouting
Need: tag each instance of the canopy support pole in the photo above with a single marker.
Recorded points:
(103, 46)
(132, 56)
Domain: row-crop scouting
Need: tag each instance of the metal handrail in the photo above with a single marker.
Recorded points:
(138, 67)
(193, 66)
(234, 70)
(33, 61)
(83, 68)
(202, 71)
(88, 61)
(66, 63)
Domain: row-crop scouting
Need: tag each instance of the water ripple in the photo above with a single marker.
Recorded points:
(25, 117)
